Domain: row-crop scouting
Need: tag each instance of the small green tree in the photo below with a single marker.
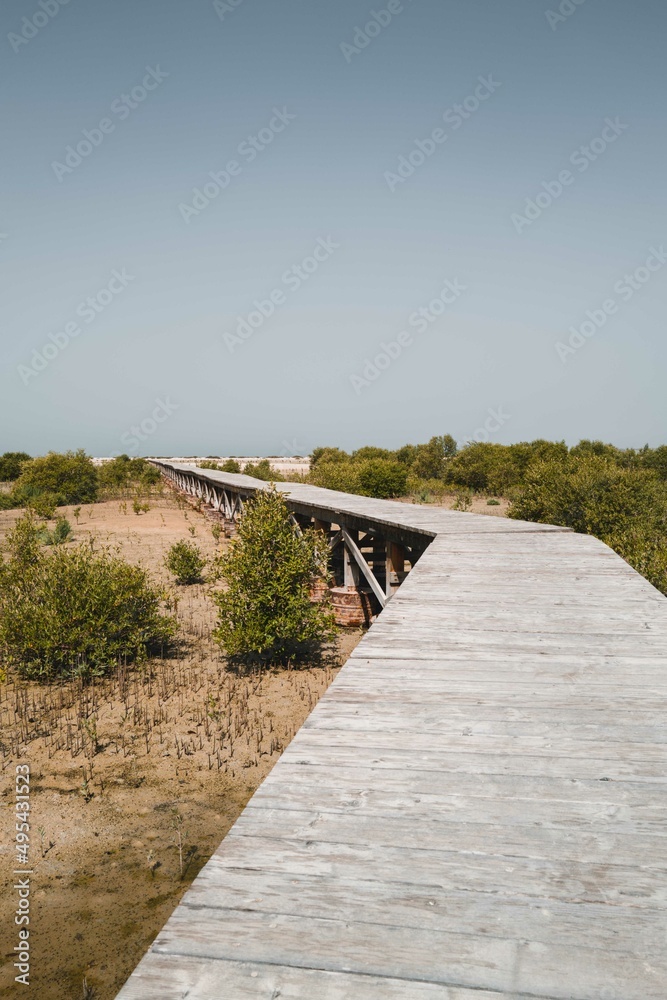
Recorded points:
(380, 477)
(185, 561)
(74, 610)
(266, 613)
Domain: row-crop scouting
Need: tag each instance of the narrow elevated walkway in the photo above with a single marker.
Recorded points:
(475, 810)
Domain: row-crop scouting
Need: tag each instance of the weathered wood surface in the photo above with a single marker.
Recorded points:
(475, 810)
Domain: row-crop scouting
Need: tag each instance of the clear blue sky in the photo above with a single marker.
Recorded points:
(306, 133)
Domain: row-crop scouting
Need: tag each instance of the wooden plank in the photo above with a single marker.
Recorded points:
(431, 907)
(607, 882)
(470, 960)
(176, 977)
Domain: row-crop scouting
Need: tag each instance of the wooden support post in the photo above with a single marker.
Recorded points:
(353, 552)
(395, 567)
(350, 567)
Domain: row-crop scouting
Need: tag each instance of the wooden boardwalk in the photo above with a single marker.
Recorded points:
(475, 810)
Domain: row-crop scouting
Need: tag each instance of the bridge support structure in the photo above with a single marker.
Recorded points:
(368, 563)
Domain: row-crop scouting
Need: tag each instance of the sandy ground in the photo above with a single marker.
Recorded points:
(480, 504)
(135, 781)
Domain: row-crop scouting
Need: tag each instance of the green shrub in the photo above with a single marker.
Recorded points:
(69, 478)
(463, 499)
(75, 610)
(625, 507)
(645, 550)
(486, 468)
(230, 465)
(426, 490)
(591, 495)
(429, 461)
(60, 533)
(322, 455)
(262, 470)
(380, 477)
(266, 613)
(186, 562)
(654, 458)
(125, 472)
(43, 504)
(336, 475)
(369, 452)
(10, 465)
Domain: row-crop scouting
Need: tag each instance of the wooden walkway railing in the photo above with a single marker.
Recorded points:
(475, 810)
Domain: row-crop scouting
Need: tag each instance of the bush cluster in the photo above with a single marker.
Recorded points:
(54, 480)
(623, 504)
(124, 473)
(380, 472)
(261, 470)
(229, 465)
(74, 610)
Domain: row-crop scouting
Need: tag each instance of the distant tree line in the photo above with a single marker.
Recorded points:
(619, 495)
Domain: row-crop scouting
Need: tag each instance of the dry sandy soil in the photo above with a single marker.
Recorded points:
(124, 770)
(480, 505)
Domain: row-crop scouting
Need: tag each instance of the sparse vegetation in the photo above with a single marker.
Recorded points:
(266, 613)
